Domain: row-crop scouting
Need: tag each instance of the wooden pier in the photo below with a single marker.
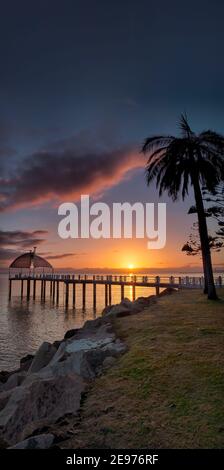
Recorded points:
(65, 280)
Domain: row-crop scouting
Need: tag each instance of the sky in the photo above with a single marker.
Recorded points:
(82, 84)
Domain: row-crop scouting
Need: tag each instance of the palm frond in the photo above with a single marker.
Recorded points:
(184, 126)
(213, 138)
(157, 141)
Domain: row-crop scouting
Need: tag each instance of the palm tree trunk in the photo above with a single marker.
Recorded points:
(203, 232)
(205, 275)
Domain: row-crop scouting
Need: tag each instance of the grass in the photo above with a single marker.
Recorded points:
(167, 391)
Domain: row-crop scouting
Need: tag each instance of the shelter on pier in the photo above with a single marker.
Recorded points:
(31, 262)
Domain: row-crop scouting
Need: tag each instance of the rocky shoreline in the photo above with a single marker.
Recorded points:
(38, 399)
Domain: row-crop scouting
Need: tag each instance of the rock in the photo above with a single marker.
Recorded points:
(116, 348)
(117, 309)
(4, 398)
(4, 375)
(42, 357)
(91, 325)
(125, 313)
(127, 307)
(107, 309)
(86, 344)
(56, 344)
(3, 444)
(126, 302)
(71, 333)
(14, 381)
(168, 291)
(80, 356)
(108, 362)
(39, 403)
(57, 378)
(43, 441)
(27, 358)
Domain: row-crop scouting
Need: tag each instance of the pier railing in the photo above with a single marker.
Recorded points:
(67, 280)
(183, 281)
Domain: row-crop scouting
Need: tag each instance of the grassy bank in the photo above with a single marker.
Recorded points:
(167, 391)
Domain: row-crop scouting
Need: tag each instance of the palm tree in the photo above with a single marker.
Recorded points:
(191, 159)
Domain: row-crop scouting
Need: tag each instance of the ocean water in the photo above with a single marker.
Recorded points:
(24, 325)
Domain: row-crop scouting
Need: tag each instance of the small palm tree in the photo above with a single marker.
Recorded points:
(191, 159)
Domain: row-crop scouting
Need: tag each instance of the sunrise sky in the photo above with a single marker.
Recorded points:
(82, 84)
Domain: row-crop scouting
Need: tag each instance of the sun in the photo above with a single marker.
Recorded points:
(130, 266)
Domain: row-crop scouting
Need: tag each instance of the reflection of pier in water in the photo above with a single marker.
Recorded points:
(71, 281)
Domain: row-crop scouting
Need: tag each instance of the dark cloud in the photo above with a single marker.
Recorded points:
(7, 255)
(11, 131)
(63, 255)
(64, 174)
(20, 238)
(13, 242)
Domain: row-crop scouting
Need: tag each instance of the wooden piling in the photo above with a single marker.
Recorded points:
(21, 288)
(110, 293)
(10, 289)
(28, 289)
(53, 294)
(44, 290)
(83, 294)
(157, 284)
(133, 292)
(66, 293)
(41, 288)
(57, 292)
(122, 291)
(106, 294)
(34, 289)
(73, 293)
(94, 296)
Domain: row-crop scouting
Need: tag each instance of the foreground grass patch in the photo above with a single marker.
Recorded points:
(167, 391)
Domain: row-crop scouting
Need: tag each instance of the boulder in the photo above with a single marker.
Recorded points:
(81, 355)
(4, 375)
(14, 381)
(117, 309)
(107, 309)
(3, 444)
(4, 398)
(56, 380)
(71, 333)
(57, 343)
(43, 441)
(116, 348)
(126, 303)
(26, 361)
(127, 307)
(168, 291)
(39, 403)
(43, 356)
(108, 362)
(91, 326)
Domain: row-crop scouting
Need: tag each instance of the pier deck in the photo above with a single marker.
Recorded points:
(55, 280)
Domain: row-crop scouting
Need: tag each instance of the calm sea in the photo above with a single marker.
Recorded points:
(25, 325)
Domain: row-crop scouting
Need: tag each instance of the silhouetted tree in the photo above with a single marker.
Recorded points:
(193, 245)
(216, 211)
(191, 159)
